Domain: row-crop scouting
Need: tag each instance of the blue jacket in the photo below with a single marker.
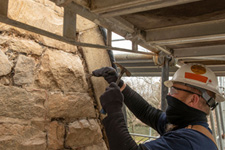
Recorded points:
(180, 139)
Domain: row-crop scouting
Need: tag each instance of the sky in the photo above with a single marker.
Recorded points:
(123, 44)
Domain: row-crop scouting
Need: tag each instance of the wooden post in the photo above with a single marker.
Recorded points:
(4, 7)
(69, 24)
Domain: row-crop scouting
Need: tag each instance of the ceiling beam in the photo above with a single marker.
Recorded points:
(188, 33)
(122, 7)
(203, 52)
(101, 6)
(117, 25)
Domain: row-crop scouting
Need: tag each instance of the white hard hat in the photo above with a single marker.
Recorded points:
(197, 75)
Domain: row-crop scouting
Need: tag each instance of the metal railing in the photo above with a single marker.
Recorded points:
(142, 137)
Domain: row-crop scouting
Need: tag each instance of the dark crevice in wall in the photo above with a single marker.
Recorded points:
(65, 135)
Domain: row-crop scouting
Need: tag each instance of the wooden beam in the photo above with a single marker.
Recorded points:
(4, 7)
(203, 52)
(134, 46)
(122, 28)
(185, 32)
(69, 24)
(109, 38)
(105, 22)
(101, 6)
(118, 7)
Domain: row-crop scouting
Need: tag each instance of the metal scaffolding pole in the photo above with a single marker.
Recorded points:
(213, 126)
(218, 121)
(164, 89)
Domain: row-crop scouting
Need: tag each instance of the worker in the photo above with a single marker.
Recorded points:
(193, 93)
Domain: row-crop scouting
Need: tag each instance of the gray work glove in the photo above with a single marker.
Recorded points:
(112, 99)
(109, 74)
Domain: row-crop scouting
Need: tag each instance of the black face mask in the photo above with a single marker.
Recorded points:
(180, 114)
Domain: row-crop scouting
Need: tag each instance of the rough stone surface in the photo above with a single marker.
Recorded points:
(21, 137)
(45, 100)
(18, 103)
(83, 132)
(25, 46)
(56, 132)
(57, 44)
(4, 81)
(21, 11)
(24, 70)
(90, 54)
(99, 146)
(5, 65)
(62, 70)
(70, 107)
(84, 24)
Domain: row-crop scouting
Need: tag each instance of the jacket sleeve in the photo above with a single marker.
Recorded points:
(140, 108)
(118, 135)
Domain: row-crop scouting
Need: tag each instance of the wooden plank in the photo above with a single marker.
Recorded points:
(69, 24)
(203, 52)
(111, 10)
(181, 32)
(4, 7)
(109, 38)
(101, 6)
(178, 15)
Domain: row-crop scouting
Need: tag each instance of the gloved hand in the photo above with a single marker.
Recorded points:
(112, 99)
(109, 74)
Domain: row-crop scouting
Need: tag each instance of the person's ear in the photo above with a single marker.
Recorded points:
(194, 100)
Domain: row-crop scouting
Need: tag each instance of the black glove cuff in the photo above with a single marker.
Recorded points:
(121, 83)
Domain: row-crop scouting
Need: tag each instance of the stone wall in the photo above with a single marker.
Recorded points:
(46, 101)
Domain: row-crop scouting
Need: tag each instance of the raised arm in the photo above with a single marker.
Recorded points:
(140, 108)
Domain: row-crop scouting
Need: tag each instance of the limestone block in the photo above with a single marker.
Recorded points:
(82, 133)
(18, 103)
(95, 59)
(45, 18)
(48, 17)
(62, 70)
(50, 5)
(57, 44)
(56, 132)
(24, 70)
(21, 137)
(4, 81)
(25, 46)
(99, 146)
(84, 24)
(5, 64)
(70, 107)
(3, 40)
